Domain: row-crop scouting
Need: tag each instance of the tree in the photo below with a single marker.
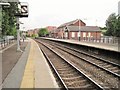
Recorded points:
(9, 19)
(43, 32)
(113, 25)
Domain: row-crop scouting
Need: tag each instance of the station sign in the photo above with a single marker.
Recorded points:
(22, 10)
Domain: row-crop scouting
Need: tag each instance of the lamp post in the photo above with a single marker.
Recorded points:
(22, 12)
(79, 30)
(18, 36)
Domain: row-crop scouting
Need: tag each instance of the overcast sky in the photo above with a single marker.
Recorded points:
(44, 13)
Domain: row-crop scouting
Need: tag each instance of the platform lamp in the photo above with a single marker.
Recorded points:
(4, 4)
(22, 12)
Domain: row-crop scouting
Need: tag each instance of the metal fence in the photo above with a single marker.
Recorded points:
(104, 39)
(5, 42)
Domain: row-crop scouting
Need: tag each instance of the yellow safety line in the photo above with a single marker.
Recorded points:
(28, 78)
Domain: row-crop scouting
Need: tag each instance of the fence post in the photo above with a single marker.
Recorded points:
(1, 45)
(4, 42)
(119, 44)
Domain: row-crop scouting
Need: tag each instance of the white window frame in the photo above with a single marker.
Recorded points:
(89, 34)
(84, 34)
(73, 34)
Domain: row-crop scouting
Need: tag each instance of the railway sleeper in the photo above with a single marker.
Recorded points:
(79, 84)
(68, 76)
(108, 66)
(114, 68)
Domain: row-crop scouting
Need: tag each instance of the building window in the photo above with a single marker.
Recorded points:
(89, 34)
(84, 34)
(73, 34)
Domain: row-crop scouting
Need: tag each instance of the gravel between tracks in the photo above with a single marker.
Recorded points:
(96, 74)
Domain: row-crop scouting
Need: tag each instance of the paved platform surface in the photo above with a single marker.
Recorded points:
(97, 45)
(10, 57)
(31, 70)
(13, 66)
(37, 72)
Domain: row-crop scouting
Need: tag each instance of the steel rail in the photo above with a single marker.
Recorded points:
(95, 83)
(115, 74)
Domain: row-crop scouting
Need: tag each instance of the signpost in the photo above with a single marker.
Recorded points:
(22, 12)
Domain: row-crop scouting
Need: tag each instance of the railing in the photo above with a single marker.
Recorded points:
(5, 42)
(105, 39)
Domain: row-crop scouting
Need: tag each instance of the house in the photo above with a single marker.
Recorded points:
(33, 32)
(77, 30)
(36, 31)
(30, 32)
(51, 30)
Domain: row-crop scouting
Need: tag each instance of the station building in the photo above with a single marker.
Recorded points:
(77, 29)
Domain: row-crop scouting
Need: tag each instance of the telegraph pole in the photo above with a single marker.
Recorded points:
(79, 29)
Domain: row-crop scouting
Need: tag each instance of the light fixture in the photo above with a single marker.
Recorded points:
(5, 4)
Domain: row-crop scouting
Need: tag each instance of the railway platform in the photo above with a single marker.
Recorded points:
(30, 70)
(110, 47)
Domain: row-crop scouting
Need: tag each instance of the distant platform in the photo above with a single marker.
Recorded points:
(111, 47)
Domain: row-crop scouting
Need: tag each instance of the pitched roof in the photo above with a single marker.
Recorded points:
(83, 28)
(90, 28)
(69, 23)
(50, 28)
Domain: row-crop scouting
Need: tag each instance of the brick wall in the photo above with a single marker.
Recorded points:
(94, 35)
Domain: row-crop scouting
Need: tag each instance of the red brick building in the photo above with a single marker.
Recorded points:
(61, 29)
(30, 32)
(77, 29)
(51, 30)
(33, 32)
(84, 32)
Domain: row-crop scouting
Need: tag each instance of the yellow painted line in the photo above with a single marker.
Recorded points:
(28, 78)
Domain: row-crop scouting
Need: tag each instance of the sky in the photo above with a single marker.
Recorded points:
(44, 13)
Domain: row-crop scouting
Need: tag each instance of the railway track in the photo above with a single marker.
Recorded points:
(70, 76)
(105, 64)
(102, 74)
